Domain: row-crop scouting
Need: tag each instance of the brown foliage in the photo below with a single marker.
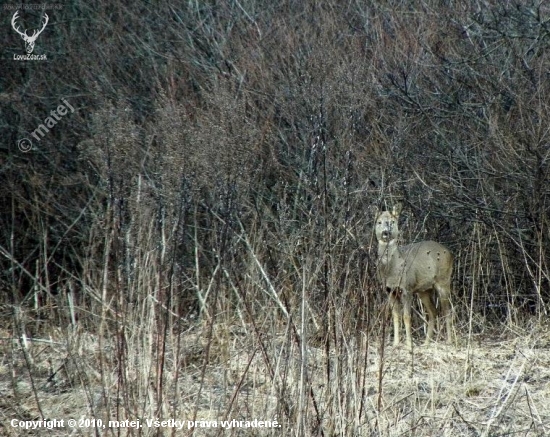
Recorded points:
(290, 120)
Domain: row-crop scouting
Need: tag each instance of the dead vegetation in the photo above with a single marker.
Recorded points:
(194, 241)
(486, 386)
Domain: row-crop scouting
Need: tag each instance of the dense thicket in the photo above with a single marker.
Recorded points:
(235, 145)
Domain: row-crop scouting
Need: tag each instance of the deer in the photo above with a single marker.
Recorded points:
(29, 40)
(423, 269)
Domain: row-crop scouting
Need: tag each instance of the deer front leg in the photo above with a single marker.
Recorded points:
(396, 313)
(407, 305)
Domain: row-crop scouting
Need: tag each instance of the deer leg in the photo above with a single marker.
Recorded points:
(430, 314)
(444, 292)
(396, 313)
(407, 305)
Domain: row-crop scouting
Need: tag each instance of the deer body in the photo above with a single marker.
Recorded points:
(423, 269)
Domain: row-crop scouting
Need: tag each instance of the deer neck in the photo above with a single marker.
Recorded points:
(387, 251)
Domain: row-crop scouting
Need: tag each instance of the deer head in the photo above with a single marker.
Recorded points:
(29, 40)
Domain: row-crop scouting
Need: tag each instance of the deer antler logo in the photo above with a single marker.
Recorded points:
(29, 40)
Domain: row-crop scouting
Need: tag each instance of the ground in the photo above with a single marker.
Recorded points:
(484, 385)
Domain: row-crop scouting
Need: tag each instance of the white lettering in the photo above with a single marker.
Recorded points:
(29, 57)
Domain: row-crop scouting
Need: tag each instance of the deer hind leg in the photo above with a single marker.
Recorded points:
(395, 303)
(429, 307)
(444, 292)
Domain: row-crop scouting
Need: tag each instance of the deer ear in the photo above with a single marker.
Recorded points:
(373, 211)
(397, 209)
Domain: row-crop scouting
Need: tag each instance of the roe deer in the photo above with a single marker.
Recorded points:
(422, 268)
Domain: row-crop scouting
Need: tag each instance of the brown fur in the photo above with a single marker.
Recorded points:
(423, 269)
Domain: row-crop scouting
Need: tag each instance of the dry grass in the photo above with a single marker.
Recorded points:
(491, 385)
